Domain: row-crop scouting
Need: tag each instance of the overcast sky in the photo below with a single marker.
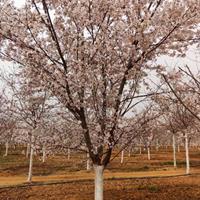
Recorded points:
(19, 3)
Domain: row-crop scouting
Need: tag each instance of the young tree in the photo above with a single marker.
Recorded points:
(29, 106)
(166, 106)
(179, 116)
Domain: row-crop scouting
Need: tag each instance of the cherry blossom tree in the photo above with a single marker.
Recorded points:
(8, 122)
(93, 56)
(178, 110)
(7, 135)
(29, 106)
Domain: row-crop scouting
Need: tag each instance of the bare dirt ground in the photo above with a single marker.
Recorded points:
(177, 188)
(60, 179)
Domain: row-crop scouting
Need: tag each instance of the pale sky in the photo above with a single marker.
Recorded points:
(19, 3)
(192, 59)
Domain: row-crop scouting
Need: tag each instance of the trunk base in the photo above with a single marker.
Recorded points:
(98, 169)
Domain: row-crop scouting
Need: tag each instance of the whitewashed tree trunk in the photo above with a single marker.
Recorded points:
(27, 150)
(122, 156)
(88, 162)
(98, 169)
(140, 147)
(68, 153)
(148, 153)
(187, 154)
(7, 146)
(157, 145)
(140, 150)
(30, 164)
(178, 147)
(129, 152)
(174, 150)
(43, 153)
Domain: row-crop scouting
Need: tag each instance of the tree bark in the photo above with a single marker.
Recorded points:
(140, 147)
(187, 154)
(88, 162)
(30, 165)
(43, 153)
(122, 156)
(28, 150)
(129, 152)
(148, 152)
(174, 150)
(98, 169)
(68, 153)
(178, 148)
(7, 146)
(157, 145)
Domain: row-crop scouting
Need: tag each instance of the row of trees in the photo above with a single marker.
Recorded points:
(33, 118)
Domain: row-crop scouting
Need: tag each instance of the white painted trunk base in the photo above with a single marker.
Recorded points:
(68, 154)
(98, 169)
(140, 150)
(140, 147)
(157, 145)
(174, 150)
(7, 146)
(88, 162)
(30, 165)
(148, 153)
(122, 156)
(178, 148)
(43, 154)
(129, 152)
(187, 154)
(27, 150)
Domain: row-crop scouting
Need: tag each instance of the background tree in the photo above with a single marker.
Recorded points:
(179, 116)
(28, 105)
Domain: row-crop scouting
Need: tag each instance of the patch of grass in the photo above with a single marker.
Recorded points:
(150, 188)
(168, 163)
(144, 168)
(172, 163)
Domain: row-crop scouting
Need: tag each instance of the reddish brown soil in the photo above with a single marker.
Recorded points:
(176, 188)
(13, 171)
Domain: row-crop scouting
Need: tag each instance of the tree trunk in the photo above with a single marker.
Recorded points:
(68, 153)
(122, 156)
(88, 162)
(28, 150)
(174, 150)
(140, 147)
(98, 169)
(43, 153)
(148, 152)
(7, 146)
(157, 145)
(129, 152)
(178, 147)
(140, 150)
(187, 154)
(30, 165)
